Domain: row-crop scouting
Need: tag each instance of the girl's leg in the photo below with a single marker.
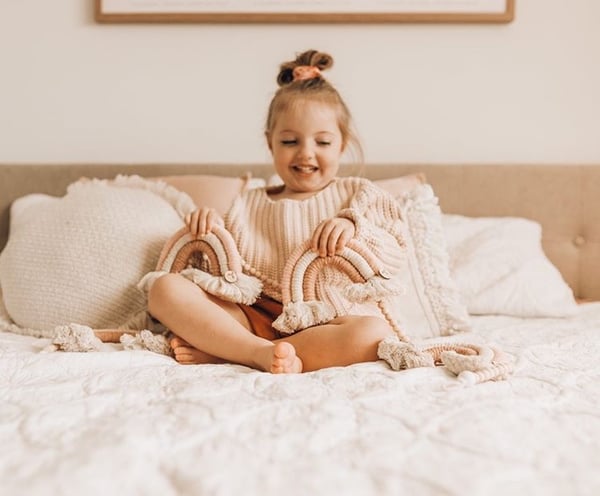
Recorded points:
(343, 341)
(186, 354)
(216, 327)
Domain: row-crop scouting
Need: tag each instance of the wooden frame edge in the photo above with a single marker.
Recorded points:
(332, 18)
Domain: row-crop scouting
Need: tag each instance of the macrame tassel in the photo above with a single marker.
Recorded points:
(302, 314)
(74, 337)
(471, 363)
(146, 340)
(401, 355)
(232, 286)
(81, 338)
(375, 289)
(490, 364)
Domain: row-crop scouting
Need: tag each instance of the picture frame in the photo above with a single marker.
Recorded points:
(304, 11)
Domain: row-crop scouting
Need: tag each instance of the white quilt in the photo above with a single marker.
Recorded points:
(137, 423)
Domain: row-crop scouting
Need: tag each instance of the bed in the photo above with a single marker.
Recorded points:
(123, 421)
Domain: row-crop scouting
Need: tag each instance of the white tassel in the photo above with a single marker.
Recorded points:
(471, 363)
(457, 363)
(375, 289)
(244, 289)
(401, 355)
(74, 337)
(490, 364)
(146, 340)
(302, 314)
(240, 289)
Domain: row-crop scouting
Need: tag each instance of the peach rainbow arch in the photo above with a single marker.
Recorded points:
(217, 248)
(211, 261)
(301, 270)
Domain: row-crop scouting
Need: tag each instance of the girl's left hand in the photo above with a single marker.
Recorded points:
(332, 235)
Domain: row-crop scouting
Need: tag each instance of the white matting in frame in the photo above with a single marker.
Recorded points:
(304, 10)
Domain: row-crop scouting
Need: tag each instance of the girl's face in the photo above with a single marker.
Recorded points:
(306, 144)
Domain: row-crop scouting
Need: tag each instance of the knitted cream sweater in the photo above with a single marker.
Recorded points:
(266, 232)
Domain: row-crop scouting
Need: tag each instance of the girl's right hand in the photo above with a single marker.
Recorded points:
(202, 221)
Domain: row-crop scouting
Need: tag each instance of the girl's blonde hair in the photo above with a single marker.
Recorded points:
(293, 90)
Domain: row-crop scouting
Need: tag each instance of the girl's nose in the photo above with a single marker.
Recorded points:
(306, 152)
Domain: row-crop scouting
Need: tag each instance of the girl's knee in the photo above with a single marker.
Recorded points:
(172, 290)
(376, 327)
(365, 335)
(164, 283)
(162, 290)
(367, 330)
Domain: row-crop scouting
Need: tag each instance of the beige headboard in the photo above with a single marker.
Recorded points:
(565, 199)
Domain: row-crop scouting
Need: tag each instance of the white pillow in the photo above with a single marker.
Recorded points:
(500, 268)
(78, 258)
(432, 305)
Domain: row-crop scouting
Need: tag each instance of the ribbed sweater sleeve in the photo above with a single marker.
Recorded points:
(373, 209)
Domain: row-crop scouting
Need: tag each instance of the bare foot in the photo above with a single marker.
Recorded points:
(281, 357)
(284, 359)
(186, 354)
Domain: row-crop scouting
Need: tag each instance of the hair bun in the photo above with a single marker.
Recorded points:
(285, 76)
(314, 58)
(321, 60)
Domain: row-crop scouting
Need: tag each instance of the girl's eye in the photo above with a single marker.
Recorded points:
(288, 142)
(324, 143)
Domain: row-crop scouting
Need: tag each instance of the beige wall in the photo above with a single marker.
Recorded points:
(72, 90)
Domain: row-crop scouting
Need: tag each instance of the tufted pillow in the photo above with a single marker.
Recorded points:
(432, 305)
(79, 257)
(500, 268)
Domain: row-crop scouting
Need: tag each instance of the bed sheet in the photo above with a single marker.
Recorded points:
(137, 423)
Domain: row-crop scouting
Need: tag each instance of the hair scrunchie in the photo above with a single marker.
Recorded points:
(303, 72)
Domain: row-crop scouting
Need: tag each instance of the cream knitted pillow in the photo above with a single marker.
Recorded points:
(78, 258)
(432, 306)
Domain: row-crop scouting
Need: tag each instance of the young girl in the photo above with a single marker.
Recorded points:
(307, 130)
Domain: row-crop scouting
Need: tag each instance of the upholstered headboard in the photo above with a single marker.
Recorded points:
(564, 199)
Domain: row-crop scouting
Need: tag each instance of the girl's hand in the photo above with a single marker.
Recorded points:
(202, 221)
(332, 235)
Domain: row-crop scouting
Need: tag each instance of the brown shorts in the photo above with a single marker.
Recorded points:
(261, 316)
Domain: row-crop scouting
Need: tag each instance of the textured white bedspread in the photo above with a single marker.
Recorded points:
(137, 423)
